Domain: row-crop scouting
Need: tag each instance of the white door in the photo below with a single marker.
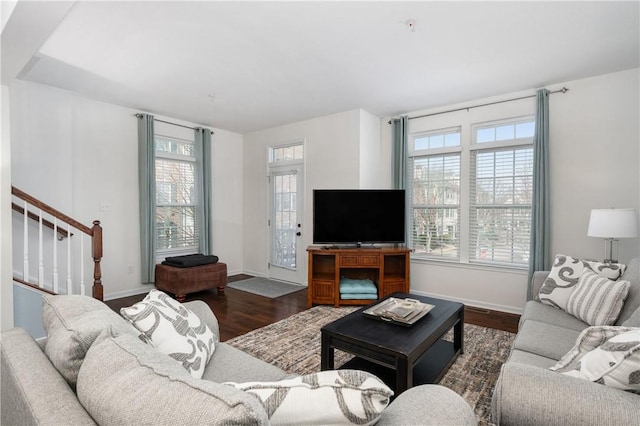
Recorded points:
(285, 224)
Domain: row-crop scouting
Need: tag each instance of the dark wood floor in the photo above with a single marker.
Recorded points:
(239, 312)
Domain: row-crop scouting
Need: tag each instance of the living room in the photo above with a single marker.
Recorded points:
(70, 133)
(57, 135)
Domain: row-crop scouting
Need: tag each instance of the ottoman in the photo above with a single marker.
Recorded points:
(183, 281)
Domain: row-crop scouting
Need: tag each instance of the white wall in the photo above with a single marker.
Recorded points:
(374, 159)
(6, 268)
(594, 152)
(75, 153)
(332, 160)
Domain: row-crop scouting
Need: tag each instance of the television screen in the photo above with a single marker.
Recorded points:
(353, 216)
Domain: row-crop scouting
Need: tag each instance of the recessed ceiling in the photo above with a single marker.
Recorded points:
(273, 63)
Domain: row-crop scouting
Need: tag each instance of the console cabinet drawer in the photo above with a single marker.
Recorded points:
(355, 260)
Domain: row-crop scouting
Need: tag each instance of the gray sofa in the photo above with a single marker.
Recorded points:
(528, 393)
(122, 380)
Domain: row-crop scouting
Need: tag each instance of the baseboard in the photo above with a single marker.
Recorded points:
(474, 303)
(127, 293)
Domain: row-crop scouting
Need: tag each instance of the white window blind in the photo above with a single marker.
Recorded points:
(501, 182)
(434, 186)
(176, 199)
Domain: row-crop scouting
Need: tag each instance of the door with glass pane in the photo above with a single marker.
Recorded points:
(285, 224)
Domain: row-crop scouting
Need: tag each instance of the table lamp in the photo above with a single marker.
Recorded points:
(612, 224)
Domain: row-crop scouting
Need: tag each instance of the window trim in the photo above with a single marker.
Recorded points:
(467, 145)
(161, 253)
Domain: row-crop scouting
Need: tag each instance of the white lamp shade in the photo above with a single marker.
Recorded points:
(613, 223)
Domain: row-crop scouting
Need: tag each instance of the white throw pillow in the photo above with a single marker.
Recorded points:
(328, 397)
(174, 330)
(565, 274)
(614, 362)
(597, 300)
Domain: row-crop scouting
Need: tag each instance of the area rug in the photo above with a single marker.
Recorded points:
(265, 287)
(293, 344)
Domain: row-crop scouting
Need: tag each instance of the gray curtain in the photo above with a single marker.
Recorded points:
(539, 253)
(203, 173)
(147, 184)
(399, 141)
(399, 129)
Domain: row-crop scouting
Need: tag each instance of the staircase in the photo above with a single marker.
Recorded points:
(55, 256)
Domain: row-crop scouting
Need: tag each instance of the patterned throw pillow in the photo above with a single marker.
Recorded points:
(605, 355)
(327, 397)
(174, 330)
(565, 274)
(597, 300)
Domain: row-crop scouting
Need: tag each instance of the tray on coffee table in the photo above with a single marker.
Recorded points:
(405, 312)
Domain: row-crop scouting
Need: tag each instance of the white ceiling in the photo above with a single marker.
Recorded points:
(272, 63)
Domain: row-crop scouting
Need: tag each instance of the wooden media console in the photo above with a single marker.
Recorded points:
(387, 267)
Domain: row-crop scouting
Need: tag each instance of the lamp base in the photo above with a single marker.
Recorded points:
(610, 250)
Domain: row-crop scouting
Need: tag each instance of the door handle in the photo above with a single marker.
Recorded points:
(298, 233)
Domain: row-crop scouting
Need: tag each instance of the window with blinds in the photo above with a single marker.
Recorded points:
(176, 222)
(434, 186)
(501, 183)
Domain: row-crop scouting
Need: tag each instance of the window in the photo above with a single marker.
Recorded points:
(497, 206)
(176, 199)
(435, 193)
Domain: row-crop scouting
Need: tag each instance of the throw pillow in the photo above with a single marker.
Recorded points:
(597, 300)
(614, 363)
(565, 274)
(174, 330)
(72, 323)
(589, 339)
(328, 397)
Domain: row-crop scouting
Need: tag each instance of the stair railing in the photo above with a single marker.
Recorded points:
(63, 227)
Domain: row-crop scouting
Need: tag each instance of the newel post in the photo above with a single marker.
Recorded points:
(96, 252)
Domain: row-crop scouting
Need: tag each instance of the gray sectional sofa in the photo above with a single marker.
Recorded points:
(528, 393)
(121, 380)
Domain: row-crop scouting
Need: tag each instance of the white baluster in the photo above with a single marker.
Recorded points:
(82, 263)
(25, 252)
(40, 253)
(55, 255)
(69, 280)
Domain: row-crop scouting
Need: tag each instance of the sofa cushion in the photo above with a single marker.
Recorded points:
(609, 355)
(539, 312)
(546, 340)
(633, 320)
(564, 276)
(327, 397)
(72, 323)
(174, 330)
(597, 300)
(229, 364)
(632, 303)
(528, 358)
(124, 382)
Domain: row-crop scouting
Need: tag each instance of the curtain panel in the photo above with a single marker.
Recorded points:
(399, 141)
(147, 185)
(539, 253)
(203, 173)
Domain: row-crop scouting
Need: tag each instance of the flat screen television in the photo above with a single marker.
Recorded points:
(357, 216)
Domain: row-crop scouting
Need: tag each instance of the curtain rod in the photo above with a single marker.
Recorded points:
(173, 124)
(563, 90)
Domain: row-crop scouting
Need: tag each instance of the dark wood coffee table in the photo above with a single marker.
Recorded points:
(400, 356)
